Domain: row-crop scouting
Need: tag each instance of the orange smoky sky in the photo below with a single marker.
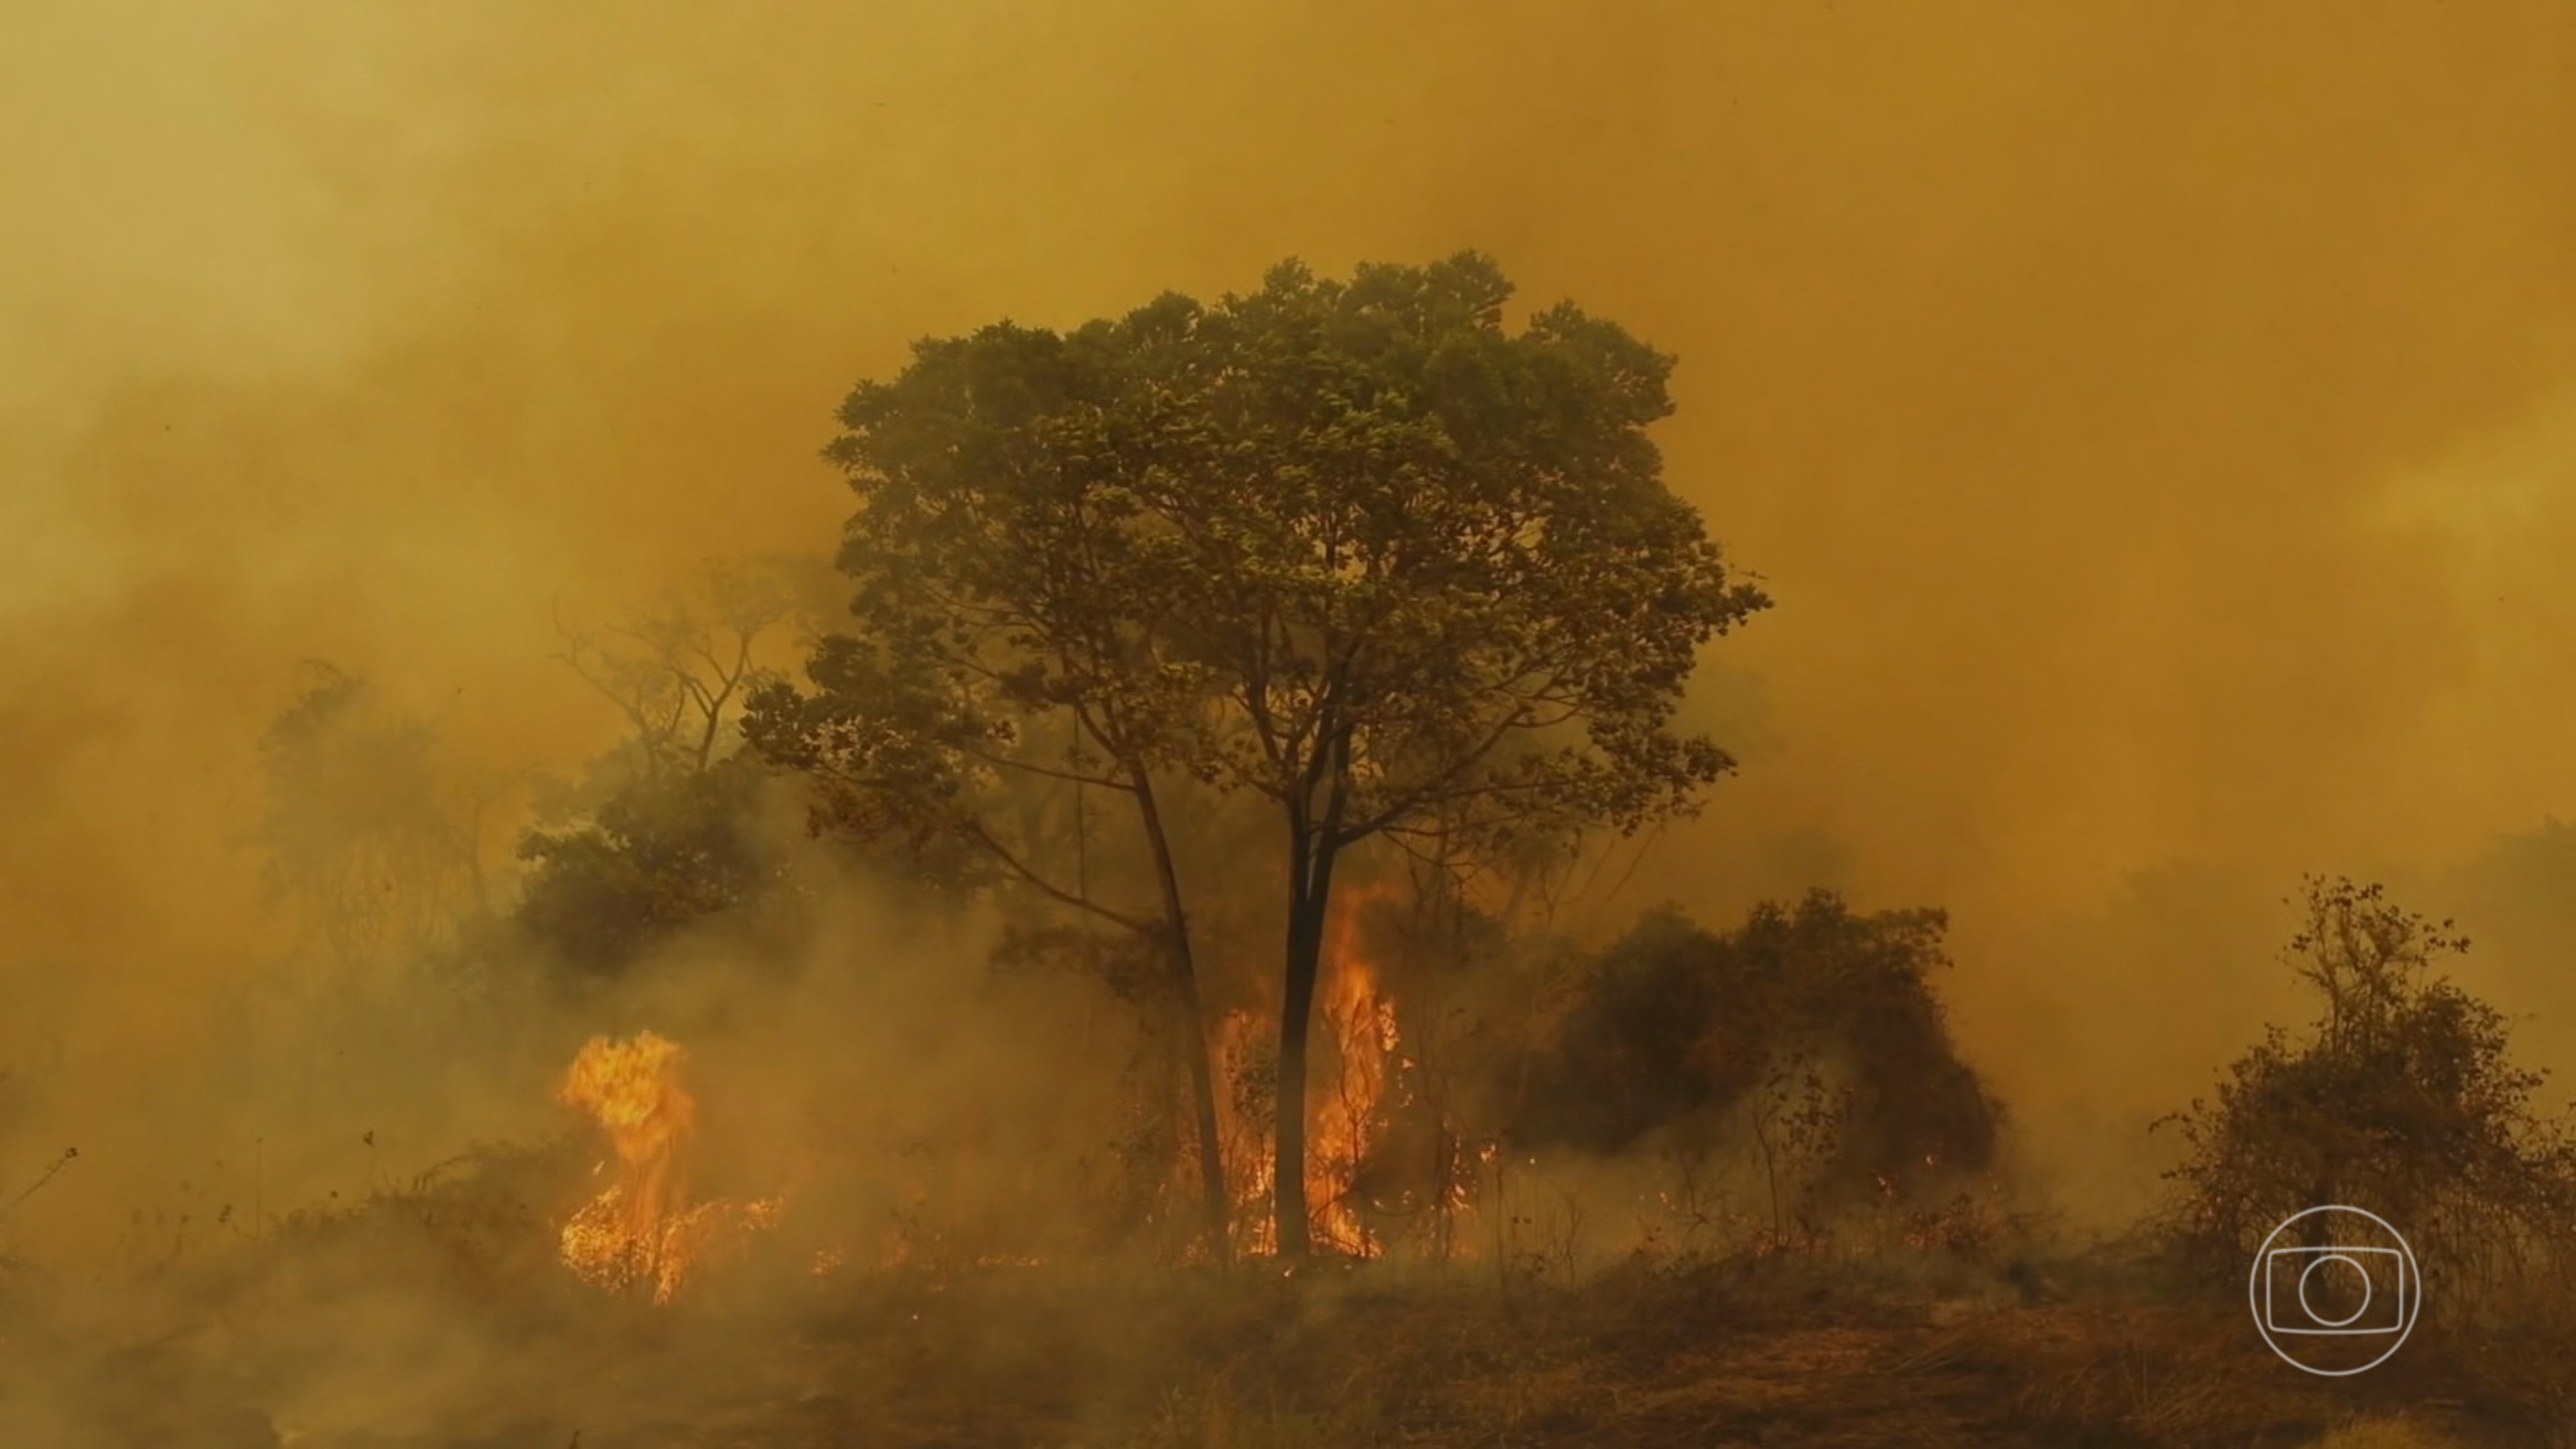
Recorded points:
(2157, 423)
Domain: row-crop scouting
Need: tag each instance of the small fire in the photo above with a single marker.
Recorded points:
(1379, 1154)
(643, 1229)
(1360, 1021)
(1354, 1064)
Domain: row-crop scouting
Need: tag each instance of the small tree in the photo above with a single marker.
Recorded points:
(369, 831)
(682, 670)
(1797, 1121)
(2400, 1097)
(665, 828)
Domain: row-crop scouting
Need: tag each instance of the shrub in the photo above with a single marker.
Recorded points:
(2399, 1098)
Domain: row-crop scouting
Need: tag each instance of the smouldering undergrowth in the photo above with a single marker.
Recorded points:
(434, 1317)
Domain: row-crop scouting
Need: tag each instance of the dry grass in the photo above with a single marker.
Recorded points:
(1720, 1358)
(430, 1319)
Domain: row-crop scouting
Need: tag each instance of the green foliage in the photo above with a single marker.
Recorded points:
(1013, 618)
(1012, 658)
(1819, 1021)
(1355, 547)
(1339, 542)
(1431, 562)
(892, 755)
(661, 852)
(676, 824)
(2400, 1097)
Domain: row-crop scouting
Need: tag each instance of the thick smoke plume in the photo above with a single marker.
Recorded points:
(2160, 440)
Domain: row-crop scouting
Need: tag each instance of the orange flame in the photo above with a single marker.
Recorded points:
(642, 1228)
(1344, 1093)
(1360, 1022)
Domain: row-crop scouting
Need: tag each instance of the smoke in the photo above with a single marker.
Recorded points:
(2158, 437)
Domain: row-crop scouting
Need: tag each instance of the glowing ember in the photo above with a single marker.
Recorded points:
(642, 1229)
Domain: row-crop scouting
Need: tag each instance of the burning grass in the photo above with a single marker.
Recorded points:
(424, 1320)
(603, 1291)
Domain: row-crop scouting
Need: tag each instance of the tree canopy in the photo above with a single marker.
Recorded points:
(1357, 548)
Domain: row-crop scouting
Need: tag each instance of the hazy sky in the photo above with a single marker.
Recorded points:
(2157, 423)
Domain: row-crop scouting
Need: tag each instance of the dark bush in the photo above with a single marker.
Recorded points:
(1674, 1025)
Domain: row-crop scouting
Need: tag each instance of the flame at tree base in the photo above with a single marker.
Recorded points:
(1362, 1109)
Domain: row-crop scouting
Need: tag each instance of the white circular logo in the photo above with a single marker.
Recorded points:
(2350, 1283)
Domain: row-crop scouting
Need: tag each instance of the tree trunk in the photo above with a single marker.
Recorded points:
(1185, 984)
(1310, 888)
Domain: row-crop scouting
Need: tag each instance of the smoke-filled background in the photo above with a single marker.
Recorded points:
(2157, 426)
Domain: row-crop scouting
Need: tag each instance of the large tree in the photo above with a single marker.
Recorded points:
(1434, 565)
(1356, 548)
